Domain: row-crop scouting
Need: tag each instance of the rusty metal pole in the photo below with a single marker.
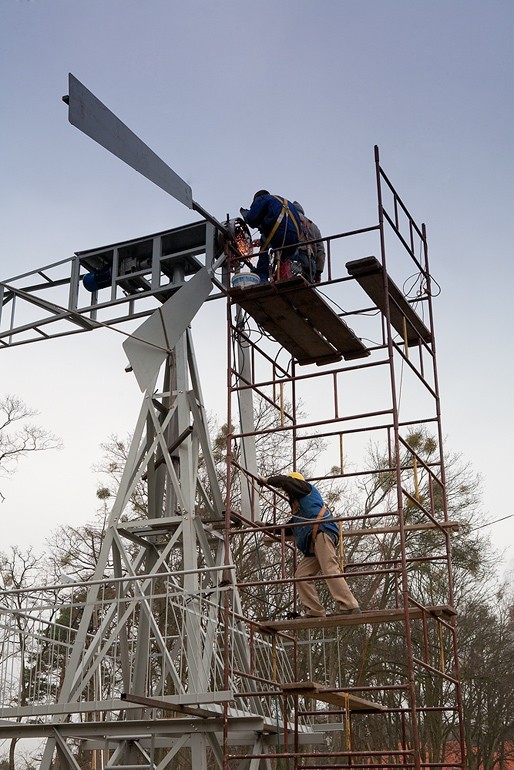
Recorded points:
(397, 459)
(451, 597)
(227, 575)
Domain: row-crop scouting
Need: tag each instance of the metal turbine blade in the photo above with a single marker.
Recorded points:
(150, 343)
(87, 113)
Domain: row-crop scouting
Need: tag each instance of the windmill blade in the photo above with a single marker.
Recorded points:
(88, 114)
(149, 345)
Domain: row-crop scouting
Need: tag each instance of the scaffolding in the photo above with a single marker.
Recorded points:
(353, 399)
(179, 651)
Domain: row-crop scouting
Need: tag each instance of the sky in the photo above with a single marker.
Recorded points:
(289, 95)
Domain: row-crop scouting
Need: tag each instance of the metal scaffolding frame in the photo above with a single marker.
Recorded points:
(399, 356)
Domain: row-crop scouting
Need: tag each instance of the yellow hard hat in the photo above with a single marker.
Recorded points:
(295, 475)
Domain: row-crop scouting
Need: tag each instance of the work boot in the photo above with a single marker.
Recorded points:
(354, 611)
(297, 615)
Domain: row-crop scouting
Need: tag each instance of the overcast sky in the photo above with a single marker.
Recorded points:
(290, 95)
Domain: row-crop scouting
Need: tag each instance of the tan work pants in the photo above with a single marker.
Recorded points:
(325, 561)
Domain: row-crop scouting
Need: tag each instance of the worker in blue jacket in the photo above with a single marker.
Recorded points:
(317, 539)
(280, 226)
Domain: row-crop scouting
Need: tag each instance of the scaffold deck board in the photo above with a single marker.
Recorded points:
(157, 703)
(300, 320)
(392, 615)
(313, 307)
(319, 692)
(370, 275)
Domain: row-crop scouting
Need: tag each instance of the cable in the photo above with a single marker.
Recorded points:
(369, 313)
(287, 371)
(418, 278)
(373, 342)
(489, 523)
(438, 287)
(331, 300)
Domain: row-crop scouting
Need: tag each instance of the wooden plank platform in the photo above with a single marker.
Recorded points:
(299, 319)
(157, 703)
(319, 692)
(370, 275)
(392, 615)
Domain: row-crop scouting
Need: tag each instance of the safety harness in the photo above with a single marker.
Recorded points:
(285, 212)
(316, 525)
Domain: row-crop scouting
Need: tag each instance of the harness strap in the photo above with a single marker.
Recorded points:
(295, 223)
(316, 525)
(285, 211)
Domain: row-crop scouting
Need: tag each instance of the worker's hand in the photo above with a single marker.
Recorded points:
(261, 481)
(318, 278)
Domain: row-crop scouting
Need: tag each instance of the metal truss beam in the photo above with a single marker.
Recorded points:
(136, 277)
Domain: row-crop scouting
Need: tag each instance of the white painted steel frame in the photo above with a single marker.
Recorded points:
(199, 638)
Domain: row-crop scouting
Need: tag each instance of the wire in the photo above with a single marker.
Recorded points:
(418, 278)
(278, 375)
(264, 333)
(331, 300)
(489, 523)
(367, 313)
(373, 342)
(439, 290)
(245, 326)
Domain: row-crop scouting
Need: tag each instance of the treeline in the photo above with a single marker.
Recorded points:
(373, 655)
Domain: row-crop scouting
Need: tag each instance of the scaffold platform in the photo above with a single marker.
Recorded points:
(319, 692)
(295, 314)
(392, 615)
(369, 273)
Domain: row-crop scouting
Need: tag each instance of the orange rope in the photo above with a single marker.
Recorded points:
(416, 479)
(347, 723)
(341, 546)
(441, 646)
(405, 340)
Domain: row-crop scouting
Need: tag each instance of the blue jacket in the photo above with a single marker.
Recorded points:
(309, 504)
(264, 213)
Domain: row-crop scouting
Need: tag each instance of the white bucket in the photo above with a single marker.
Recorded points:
(242, 280)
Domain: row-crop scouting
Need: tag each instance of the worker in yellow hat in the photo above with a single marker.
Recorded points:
(316, 535)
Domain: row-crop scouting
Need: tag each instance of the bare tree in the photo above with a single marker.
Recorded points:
(372, 657)
(487, 672)
(18, 436)
(19, 570)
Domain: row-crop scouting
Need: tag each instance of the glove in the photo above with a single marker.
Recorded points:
(244, 213)
(317, 278)
(261, 481)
